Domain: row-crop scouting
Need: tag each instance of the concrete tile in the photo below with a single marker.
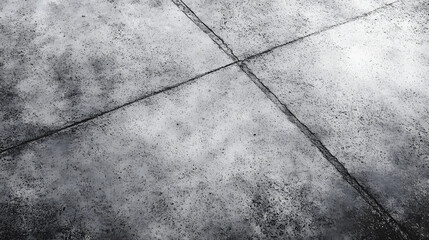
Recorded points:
(363, 89)
(213, 159)
(250, 27)
(62, 61)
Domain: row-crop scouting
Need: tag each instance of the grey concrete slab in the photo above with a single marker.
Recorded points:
(62, 61)
(363, 88)
(213, 159)
(249, 27)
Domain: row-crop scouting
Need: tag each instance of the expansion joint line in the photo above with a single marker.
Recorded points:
(383, 213)
(164, 89)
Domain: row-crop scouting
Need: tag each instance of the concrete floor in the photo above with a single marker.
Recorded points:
(171, 119)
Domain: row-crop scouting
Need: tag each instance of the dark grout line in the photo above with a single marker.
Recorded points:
(383, 213)
(206, 29)
(164, 89)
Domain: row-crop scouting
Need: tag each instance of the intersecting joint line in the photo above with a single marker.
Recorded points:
(381, 211)
(215, 38)
(243, 66)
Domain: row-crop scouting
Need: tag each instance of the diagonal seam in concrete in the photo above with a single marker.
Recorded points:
(52, 132)
(381, 211)
(206, 29)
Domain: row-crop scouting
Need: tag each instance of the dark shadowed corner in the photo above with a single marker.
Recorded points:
(41, 200)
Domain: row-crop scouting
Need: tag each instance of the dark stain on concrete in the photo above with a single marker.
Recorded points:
(404, 143)
(69, 85)
(82, 212)
(63, 62)
(155, 3)
(343, 220)
(409, 152)
(67, 75)
(37, 220)
(58, 219)
(17, 37)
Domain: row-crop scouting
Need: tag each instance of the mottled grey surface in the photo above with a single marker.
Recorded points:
(251, 26)
(211, 160)
(364, 89)
(64, 61)
(119, 119)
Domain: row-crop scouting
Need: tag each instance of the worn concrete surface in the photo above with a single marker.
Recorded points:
(250, 27)
(213, 159)
(120, 120)
(363, 88)
(64, 61)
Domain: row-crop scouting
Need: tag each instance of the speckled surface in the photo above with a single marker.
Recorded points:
(363, 88)
(64, 61)
(128, 119)
(210, 160)
(250, 27)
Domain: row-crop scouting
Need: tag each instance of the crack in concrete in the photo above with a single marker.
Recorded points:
(52, 132)
(206, 29)
(381, 211)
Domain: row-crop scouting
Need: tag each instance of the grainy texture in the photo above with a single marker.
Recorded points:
(250, 26)
(64, 61)
(211, 160)
(379, 209)
(157, 119)
(363, 88)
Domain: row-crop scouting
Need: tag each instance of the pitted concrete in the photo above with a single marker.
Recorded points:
(64, 61)
(363, 89)
(127, 120)
(211, 160)
(250, 26)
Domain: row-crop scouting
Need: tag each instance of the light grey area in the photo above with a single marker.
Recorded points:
(250, 26)
(210, 160)
(363, 88)
(131, 119)
(64, 61)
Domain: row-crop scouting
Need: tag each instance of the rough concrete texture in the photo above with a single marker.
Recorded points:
(250, 26)
(124, 119)
(363, 88)
(64, 61)
(214, 159)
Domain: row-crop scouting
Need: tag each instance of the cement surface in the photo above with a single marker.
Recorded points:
(249, 26)
(363, 88)
(64, 61)
(211, 160)
(129, 119)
